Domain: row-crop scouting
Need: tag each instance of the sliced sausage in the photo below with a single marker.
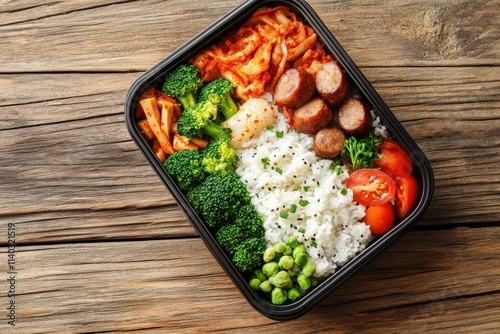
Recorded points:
(294, 88)
(329, 142)
(312, 116)
(354, 117)
(332, 83)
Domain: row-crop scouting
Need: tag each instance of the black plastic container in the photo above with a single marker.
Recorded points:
(231, 22)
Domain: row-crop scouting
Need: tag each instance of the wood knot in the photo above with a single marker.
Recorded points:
(430, 32)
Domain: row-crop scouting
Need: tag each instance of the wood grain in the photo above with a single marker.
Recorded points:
(92, 169)
(103, 247)
(175, 285)
(452, 32)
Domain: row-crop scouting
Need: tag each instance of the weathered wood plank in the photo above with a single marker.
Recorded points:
(71, 172)
(162, 285)
(134, 35)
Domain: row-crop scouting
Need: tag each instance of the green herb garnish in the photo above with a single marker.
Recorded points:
(361, 153)
(265, 161)
(303, 202)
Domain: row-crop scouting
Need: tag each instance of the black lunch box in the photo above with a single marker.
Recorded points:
(155, 76)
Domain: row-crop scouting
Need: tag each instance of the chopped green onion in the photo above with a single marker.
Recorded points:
(339, 170)
(293, 208)
(265, 161)
(344, 191)
(279, 170)
(314, 243)
(332, 166)
(283, 215)
(279, 134)
(306, 188)
(303, 202)
(269, 127)
(302, 230)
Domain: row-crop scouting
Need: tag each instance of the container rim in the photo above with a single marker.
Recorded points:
(422, 167)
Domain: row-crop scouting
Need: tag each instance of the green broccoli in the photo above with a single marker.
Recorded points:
(247, 224)
(219, 198)
(251, 220)
(219, 156)
(198, 121)
(186, 168)
(360, 153)
(183, 83)
(230, 236)
(220, 93)
(248, 255)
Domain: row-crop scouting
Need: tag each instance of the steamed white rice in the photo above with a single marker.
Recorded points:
(329, 225)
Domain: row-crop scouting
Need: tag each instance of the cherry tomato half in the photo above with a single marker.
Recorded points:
(371, 186)
(406, 194)
(393, 159)
(380, 218)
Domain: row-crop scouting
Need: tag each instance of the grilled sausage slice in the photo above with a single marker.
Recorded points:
(294, 88)
(354, 117)
(332, 83)
(312, 116)
(329, 142)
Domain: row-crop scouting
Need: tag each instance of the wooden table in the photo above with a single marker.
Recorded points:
(101, 246)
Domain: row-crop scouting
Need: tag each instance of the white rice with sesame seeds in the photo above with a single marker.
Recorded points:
(282, 172)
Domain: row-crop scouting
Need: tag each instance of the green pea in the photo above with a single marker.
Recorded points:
(280, 280)
(269, 254)
(288, 250)
(286, 262)
(260, 275)
(309, 268)
(279, 247)
(301, 259)
(270, 269)
(265, 286)
(293, 242)
(304, 282)
(278, 296)
(299, 249)
(254, 284)
(293, 294)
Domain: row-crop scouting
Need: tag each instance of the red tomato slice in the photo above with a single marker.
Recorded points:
(393, 159)
(371, 186)
(406, 194)
(380, 218)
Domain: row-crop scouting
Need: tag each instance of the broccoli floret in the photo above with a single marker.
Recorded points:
(184, 83)
(251, 221)
(219, 156)
(248, 255)
(230, 236)
(198, 121)
(186, 168)
(248, 224)
(219, 198)
(360, 153)
(220, 93)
